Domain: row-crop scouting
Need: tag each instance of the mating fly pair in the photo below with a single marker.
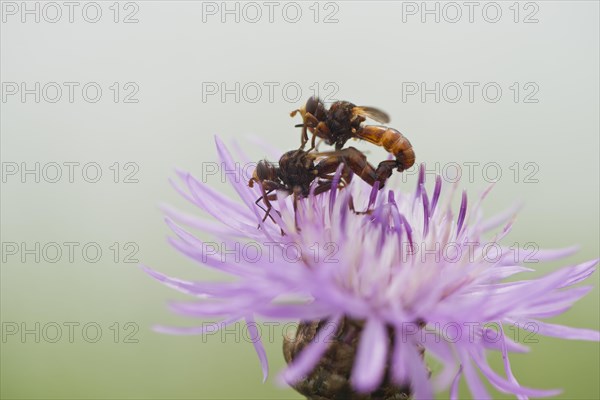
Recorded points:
(298, 169)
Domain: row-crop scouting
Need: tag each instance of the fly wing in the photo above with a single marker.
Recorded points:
(372, 113)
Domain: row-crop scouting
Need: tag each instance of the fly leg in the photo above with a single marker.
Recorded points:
(309, 121)
(328, 165)
(385, 168)
(323, 186)
(267, 197)
(357, 162)
(266, 188)
(321, 130)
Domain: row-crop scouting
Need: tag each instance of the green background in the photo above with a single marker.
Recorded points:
(367, 55)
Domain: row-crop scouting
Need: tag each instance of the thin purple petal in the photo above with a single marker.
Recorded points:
(369, 365)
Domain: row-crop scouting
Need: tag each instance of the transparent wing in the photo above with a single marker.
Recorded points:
(372, 113)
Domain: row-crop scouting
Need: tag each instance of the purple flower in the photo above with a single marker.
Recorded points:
(410, 265)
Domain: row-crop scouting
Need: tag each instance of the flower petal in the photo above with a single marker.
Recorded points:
(476, 387)
(559, 331)
(369, 366)
(258, 346)
(455, 383)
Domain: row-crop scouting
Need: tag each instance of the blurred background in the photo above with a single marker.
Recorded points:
(101, 101)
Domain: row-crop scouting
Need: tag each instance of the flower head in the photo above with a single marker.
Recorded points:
(407, 266)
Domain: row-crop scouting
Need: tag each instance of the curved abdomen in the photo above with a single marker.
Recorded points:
(392, 141)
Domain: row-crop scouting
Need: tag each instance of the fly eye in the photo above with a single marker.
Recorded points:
(312, 105)
(264, 170)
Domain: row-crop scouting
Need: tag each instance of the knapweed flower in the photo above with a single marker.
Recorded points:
(411, 275)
